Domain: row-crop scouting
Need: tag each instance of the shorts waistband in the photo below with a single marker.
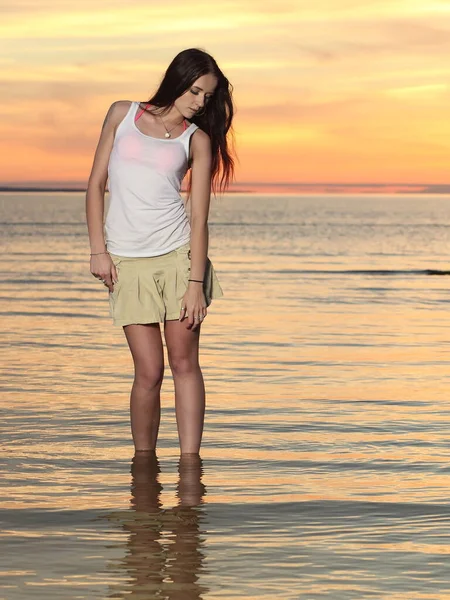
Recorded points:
(180, 250)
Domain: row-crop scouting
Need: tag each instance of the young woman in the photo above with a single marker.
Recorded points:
(152, 255)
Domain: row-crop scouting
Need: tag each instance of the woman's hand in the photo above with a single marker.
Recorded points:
(104, 269)
(193, 307)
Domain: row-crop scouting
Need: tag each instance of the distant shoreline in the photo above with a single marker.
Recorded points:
(79, 190)
(280, 188)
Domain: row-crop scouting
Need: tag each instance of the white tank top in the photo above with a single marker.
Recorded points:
(146, 214)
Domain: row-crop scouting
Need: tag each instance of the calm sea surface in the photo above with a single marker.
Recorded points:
(325, 458)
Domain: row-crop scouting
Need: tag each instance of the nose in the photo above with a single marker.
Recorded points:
(200, 104)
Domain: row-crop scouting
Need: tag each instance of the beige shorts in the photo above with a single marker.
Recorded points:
(151, 289)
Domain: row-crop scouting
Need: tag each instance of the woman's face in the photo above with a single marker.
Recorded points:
(196, 96)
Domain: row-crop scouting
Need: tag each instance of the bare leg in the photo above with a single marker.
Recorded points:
(145, 405)
(182, 349)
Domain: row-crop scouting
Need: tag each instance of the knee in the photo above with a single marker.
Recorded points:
(183, 365)
(150, 377)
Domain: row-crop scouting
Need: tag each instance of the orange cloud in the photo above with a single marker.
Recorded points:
(337, 90)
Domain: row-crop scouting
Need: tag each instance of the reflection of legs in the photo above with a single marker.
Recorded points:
(145, 407)
(182, 347)
(145, 486)
(186, 556)
(144, 560)
(190, 488)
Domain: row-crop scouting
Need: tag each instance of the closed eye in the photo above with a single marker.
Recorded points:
(196, 94)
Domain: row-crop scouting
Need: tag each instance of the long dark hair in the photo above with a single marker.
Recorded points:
(216, 120)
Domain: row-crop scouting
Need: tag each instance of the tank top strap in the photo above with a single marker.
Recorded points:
(185, 140)
(138, 114)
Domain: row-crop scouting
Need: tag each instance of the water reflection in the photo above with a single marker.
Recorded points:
(164, 556)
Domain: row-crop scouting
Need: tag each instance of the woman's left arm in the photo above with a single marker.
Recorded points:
(194, 299)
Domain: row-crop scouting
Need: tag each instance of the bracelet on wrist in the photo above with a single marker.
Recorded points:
(96, 253)
(196, 280)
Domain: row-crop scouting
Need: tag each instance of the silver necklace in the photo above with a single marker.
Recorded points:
(167, 134)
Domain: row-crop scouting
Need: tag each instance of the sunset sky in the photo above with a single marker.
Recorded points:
(332, 91)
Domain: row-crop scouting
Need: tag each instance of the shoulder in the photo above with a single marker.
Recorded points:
(201, 142)
(117, 111)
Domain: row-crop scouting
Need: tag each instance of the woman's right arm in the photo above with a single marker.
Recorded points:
(102, 266)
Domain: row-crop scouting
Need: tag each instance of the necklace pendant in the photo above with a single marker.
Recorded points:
(167, 135)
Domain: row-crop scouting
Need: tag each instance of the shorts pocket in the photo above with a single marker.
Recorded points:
(183, 259)
(211, 286)
(184, 250)
(116, 259)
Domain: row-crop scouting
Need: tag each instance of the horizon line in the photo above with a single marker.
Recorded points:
(79, 184)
